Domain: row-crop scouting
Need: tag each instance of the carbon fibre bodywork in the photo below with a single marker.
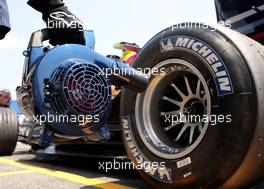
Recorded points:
(245, 16)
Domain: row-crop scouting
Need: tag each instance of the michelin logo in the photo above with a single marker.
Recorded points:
(218, 68)
(162, 174)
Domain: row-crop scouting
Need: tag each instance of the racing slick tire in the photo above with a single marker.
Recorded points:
(199, 124)
(8, 131)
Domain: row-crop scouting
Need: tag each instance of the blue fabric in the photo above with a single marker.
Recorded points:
(4, 14)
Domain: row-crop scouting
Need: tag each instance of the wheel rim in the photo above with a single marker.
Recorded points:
(183, 95)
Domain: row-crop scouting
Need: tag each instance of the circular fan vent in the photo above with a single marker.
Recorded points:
(83, 89)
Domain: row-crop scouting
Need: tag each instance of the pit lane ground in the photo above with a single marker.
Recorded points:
(24, 170)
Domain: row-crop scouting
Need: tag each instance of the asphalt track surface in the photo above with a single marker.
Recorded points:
(24, 170)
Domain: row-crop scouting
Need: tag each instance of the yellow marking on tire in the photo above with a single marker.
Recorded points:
(100, 183)
(15, 172)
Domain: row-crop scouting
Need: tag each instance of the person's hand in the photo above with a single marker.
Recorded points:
(3, 31)
(64, 27)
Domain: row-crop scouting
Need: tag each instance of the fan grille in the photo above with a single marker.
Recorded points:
(84, 89)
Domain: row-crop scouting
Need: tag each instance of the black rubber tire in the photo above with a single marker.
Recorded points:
(228, 156)
(8, 131)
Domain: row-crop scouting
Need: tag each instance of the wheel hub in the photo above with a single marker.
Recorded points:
(193, 107)
(173, 107)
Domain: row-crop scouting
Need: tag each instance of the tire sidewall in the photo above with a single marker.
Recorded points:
(224, 145)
